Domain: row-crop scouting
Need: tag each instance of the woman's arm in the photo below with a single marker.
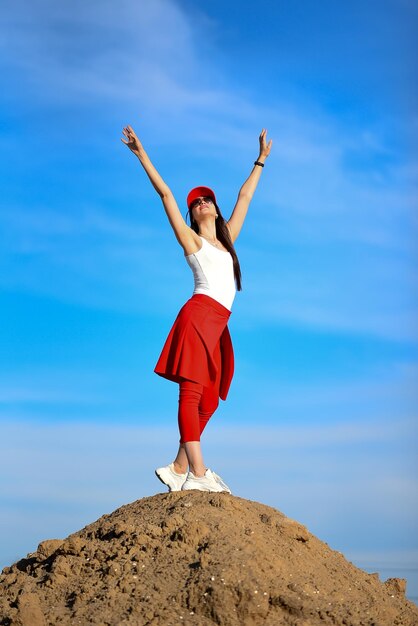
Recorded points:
(246, 192)
(182, 231)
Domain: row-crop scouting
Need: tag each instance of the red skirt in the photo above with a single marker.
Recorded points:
(189, 348)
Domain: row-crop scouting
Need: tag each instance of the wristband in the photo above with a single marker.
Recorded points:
(259, 163)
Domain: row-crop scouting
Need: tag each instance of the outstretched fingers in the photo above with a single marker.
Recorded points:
(131, 140)
(125, 132)
(264, 146)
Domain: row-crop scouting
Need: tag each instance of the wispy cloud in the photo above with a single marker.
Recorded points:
(89, 468)
(95, 49)
(43, 221)
(329, 239)
(147, 56)
(328, 245)
(79, 393)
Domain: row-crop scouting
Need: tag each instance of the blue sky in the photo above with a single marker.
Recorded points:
(321, 417)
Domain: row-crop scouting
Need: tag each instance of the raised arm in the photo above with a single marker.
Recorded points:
(182, 231)
(246, 192)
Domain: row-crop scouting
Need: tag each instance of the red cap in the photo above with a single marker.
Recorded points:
(199, 192)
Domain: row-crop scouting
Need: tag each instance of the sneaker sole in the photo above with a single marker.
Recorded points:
(203, 489)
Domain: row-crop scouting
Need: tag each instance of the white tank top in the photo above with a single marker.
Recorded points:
(213, 271)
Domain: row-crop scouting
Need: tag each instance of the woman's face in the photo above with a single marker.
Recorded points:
(202, 206)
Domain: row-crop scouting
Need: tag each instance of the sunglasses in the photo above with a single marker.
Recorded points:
(199, 201)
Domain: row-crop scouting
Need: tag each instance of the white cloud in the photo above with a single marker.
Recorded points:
(43, 221)
(147, 55)
(324, 246)
(378, 392)
(96, 49)
(322, 475)
(389, 559)
(20, 394)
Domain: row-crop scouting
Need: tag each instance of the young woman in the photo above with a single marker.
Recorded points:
(198, 352)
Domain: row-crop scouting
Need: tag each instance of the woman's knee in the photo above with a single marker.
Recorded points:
(209, 401)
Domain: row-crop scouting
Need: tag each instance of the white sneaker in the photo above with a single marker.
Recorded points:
(207, 482)
(169, 477)
(221, 482)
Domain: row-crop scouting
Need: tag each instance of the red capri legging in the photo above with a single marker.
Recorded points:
(197, 403)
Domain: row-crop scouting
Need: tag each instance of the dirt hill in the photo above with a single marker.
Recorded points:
(196, 558)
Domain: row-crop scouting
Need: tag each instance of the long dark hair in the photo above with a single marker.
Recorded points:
(222, 233)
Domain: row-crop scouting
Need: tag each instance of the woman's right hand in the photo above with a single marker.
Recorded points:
(184, 234)
(132, 140)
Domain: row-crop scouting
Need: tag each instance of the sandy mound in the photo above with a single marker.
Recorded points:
(196, 558)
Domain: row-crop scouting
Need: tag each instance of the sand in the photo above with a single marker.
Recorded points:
(196, 558)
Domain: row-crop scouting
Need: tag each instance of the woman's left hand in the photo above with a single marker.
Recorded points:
(264, 146)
